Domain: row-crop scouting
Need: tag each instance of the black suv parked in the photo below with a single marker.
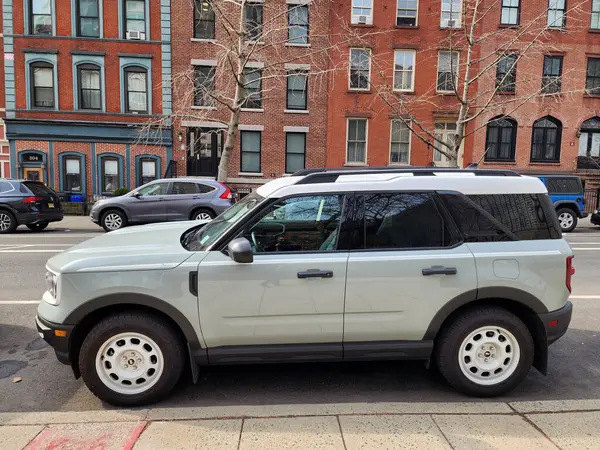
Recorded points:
(29, 203)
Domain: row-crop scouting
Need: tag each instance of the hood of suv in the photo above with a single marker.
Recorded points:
(146, 247)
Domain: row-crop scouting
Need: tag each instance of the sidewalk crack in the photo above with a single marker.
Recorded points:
(341, 432)
(440, 430)
(241, 431)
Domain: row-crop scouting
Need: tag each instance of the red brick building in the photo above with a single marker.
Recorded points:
(283, 125)
(4, 149)
(81, 79)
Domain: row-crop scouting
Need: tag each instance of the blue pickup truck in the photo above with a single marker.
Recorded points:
(566, 192)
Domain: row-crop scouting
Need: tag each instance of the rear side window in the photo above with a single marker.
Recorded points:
(403, 221)
(38, 188)
(567, 185)
(204, 189)
(501, 217)
(5, 187)
(184, 188)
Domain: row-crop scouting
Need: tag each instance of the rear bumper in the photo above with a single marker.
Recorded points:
(557, 322)
(46, 330)
(35, 217)
(582, 214)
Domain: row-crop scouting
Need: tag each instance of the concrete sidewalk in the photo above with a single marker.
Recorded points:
(468, 426)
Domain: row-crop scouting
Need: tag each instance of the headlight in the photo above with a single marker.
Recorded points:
(51, 295)
(595, 211)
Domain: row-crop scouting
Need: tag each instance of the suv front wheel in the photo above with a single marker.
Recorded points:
(485, 352)
(131, 359)
(567, 219)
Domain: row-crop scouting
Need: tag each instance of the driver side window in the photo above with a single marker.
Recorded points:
(154, 189)
(308, 223)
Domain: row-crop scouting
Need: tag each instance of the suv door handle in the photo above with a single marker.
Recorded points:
(439, 271)
(316, 273)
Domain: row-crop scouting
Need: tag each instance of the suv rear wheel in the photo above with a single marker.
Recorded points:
(567, 219)
(131, 359)
(485, 352)
(203, 214)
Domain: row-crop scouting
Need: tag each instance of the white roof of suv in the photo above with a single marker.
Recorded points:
(470, 182)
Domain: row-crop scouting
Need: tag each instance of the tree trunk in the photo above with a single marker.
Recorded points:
(232, 127)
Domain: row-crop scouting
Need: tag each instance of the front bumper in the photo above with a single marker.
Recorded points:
(557, 322)
(60, 344)
(35, 217)
(595, 219)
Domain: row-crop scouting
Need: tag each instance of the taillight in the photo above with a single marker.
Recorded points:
(32, 199)
(227, 194)
(570, 272)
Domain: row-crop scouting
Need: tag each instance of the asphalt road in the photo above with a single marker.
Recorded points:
(49, 386)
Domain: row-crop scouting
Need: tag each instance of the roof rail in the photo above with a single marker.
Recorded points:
(330, 175)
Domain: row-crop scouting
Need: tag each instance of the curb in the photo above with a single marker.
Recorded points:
(299, 410)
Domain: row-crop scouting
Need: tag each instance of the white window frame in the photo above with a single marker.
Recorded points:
(368, 88)
(416, 17)
(354, 18)
(446, 23)
(443, 160)
(407, 163)
(414, 66)
(354, 163)
(455, 75)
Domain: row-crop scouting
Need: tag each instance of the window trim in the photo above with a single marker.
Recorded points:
(196, 88)
(437, 90)
(368, 88)
(286, 150)
(135, 69)
(197, 20)
(409, 144)
(518, 8)
(348, 119)
(258, 70)
(559, 76)
(451, 11)
(596, 90)
(294, 6)
(592, 12)
(416, 17)
(354, 17)
(559, 129)
(30, 22)
(89, 66)
(515, 127)
(42, 65)
(414, 66)
(260, 133)
(506, 76)
(124, 18)
(62, 165)
(287, 90)
(77, 23)
(139, 159)
(564, 16)
(110, 157)
(254, 4)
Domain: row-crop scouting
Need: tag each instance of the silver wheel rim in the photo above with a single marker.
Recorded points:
(129, 363)
(113, 221)
(203, 216)
(4, 222)
(566, 220)
(489, 355)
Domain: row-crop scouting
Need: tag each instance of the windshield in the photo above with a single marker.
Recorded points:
(201, 239)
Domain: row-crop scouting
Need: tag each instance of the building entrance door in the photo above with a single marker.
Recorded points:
(33, 174)
(204, 152)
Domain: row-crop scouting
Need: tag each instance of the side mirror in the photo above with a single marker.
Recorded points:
(240, 250)
(137, 195)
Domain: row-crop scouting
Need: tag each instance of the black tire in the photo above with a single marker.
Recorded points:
(8, 223)
(161, 332)
(40, 226)
(569, 215)
(205, 211)
(108, 220)
(448, 344)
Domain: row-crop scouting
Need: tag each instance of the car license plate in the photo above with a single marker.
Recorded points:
(50, 205)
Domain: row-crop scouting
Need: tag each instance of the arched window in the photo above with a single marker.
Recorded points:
(90, 86)
(545, 140)
(42, 85)
(136, 90)
(501, 139)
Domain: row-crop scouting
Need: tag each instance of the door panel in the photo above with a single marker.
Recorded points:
(182, 199)
(150, 205)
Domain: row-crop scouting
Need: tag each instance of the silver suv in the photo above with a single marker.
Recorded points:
(467, 269)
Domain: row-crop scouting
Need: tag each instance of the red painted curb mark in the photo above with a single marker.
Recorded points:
(36, 444)
(134, 436)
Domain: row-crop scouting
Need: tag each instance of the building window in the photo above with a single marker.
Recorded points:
(204, 20)
(253, 20)
(360, 68)
(501, 140)
(356, 142)
(72, 174)
(135, 17)
(148, 170)
(204, 77)
(557, 13)
(136, 88)
(250, 142)
(399, 143)
(592, 80)
(451, 16)
(404, 70)
(362, 12)
(298, 24)
(444, 144)
(88, 18)
(90, 91)
(295, 152)
(511, 12)
(40, 20)
(545, 141)
(506, 74)
(552, 74)
(252, 80)
(297, 91)
(447, 76)
(595, 23)
(42, 85)
(407, 13)
(110, 174)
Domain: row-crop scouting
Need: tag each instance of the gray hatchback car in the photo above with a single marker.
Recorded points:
(165, 200)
